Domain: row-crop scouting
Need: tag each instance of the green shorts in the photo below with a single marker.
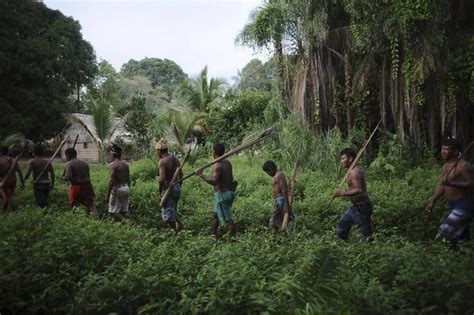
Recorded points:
(223, 205)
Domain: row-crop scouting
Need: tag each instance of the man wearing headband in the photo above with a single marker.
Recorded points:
(166, 169)
(119, 185)
(457, 185)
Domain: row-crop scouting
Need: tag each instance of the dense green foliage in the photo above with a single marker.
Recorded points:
(44, 62)
(64, 261)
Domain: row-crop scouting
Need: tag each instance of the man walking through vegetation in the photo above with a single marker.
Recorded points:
(360, 212)
(280, 193)
(81, 190)
(42, 185)
(166, 169)
(457, 185)
(8, 185)
(119, 185)
(224, 185)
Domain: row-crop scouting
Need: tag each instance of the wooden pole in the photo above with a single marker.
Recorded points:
(268, 132)
(50, 160)
(354, 162)
(174, 180)
(292, 191)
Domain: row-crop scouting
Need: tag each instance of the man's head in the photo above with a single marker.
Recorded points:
(218, 149)
(116, 152)
(3, 150)
(161, 147)
(347, 157)
(70, 153)
(38, 150)
(270, 168)
(450, 148)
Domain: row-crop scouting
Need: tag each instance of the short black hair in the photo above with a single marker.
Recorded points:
(348, 152)
(116, 150)
(219, 149)
(452, 142)
(269, 166)
(71, 152)
(38, 150)
(3, 150)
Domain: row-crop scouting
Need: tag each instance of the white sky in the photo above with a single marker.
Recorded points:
(192, 33)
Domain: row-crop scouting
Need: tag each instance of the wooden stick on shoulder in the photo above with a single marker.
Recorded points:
(356, 159)
(50, 160)
(268, 132)
(174, 180)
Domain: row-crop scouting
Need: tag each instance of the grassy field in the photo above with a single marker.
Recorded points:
(66, 262)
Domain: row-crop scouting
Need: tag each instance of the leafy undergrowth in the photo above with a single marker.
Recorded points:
(66, 262)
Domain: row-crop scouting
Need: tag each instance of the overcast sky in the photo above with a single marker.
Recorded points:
(193, 33)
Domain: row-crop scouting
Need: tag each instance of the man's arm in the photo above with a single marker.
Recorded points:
(51, 173)
(163, 183)
(467, 173)
(111, 181)
(216, 175)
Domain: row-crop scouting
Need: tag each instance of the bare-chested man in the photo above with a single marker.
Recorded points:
(224, 185)
(360, 212)
(280, 193)
(42, 185)
(166, 169)
(8, 185)
(457, 185)
(81, 190)
(119, 185)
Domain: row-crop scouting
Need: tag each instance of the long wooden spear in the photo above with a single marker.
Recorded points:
(50, 160)
(354, 162)
(268, 132)
(174, 180)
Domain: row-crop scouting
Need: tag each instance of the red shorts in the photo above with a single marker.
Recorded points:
(9, 188)
(82, 193)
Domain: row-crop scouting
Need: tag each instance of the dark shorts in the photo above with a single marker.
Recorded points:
(359, 215)
(41, 191)
(82, 193)
(456, 225)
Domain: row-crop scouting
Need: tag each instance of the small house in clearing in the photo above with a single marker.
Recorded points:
(88, 142)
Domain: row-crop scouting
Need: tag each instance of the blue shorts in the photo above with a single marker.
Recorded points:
(456, 225)
(223, 205)
(278, 212)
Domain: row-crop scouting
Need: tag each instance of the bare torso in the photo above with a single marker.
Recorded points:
(36, 165)
(4, 166)
(356, 179)
(455, 172)
(225, 179)
(77, 171)
(119, 173)
(166, 169)
(279, 184)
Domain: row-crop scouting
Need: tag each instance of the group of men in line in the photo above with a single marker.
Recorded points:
(456, 184)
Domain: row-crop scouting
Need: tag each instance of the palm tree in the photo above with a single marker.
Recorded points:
(199, 93)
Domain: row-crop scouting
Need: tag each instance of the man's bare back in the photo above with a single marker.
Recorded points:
(166, 169)
(35, 166)
(279, 185)
(222, 172)
(4, 166)
(119, 173)
(77, 171)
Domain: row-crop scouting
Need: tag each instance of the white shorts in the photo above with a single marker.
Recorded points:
(118, 202)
